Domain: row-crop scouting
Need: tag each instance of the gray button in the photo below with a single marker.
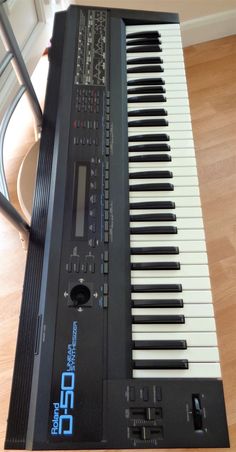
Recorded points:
(105, 288)
(106, 226)
(106, 184)
(106, 255)
(106, 237)
(105, 268)
(106, 215)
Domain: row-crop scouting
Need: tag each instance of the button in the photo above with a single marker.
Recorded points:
(106, 215)
(107, 165)
(158, 393)
(84, 268)
(106, 194)
(92, 267)
(107, 143)
(93, 199)
(106, 255)
(106, 226)
(107, 133)
(106, 184)
(145, 394)
(105, 268)
(132, 394)
(106, 205)
(105, 288)
(105, 301)
(76, 140)
(106, 237)
(106, 175)
(107, 151)
(91, 242)
(69, 267)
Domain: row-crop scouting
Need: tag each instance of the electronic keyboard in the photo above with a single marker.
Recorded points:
(117, 343)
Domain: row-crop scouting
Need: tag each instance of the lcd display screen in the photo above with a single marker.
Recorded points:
(80, 201)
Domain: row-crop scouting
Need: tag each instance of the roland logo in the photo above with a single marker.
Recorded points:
(55, 420)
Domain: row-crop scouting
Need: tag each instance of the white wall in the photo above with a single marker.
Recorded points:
(201, 20)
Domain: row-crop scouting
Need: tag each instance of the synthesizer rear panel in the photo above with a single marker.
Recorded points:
(82, 391)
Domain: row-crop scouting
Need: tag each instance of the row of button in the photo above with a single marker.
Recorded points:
(86, 140)
(86, 124)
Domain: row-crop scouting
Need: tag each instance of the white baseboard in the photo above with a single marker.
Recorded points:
(207, 28)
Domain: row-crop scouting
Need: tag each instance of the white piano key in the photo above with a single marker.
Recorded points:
(182, 258)
(185, 271)
(176, 181)
(182, 170)
(168, 103)
(182, 135)
(173, 163)
(183, 123)
(173, 112)
(179, 201)
(176, 65)
(152, 27)
(164, 45)
(174, 144)
(180, 212)
(169, 94)
(189, 311)
(182, 234)
(178, 191)
(185, 246)
(169, 78)
(196, 324)
(175, 131)
(172, 119)
(169, 87)
(177, 153)
(188, 283)
(196, 370)
(192, 354)
(190, 296)
(203, 339)
(180, 223)
(166, 54)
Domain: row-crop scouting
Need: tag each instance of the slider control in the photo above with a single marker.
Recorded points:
(197, 412)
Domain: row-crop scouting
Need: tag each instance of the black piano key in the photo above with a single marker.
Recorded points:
(148, 123)
(145, 60)
(176, 303)
(152, 187)
(143, 41)
(154, 230)
(151, 175)
(158, 319)
(155, 266)
(146, 81)
(144, 69)
(146, 90)
(160, 345)
(158, 288)
(149, 137)
(149, 112)
(152, 147)
(153, 217)
(151, 158)
(144, 48)
(161, 364)
(152, 205)
(155, 250)
(148, 98)
(144, 34)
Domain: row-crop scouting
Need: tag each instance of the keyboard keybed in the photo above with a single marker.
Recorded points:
(173, 326)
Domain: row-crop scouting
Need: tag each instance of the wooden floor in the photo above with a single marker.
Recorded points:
(211, 69)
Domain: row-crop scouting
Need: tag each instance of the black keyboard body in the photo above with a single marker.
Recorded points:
(72, 385)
